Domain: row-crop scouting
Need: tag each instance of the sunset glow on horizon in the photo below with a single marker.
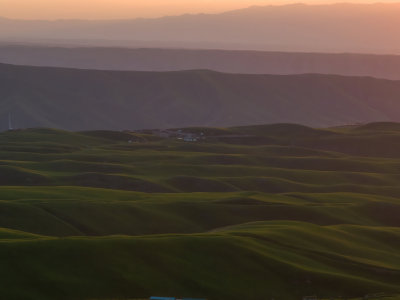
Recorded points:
(119, 9)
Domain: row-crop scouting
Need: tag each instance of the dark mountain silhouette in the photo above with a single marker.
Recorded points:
(365, 28)
(245, 62)
(87, 99)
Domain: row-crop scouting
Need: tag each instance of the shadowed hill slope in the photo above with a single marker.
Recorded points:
(126, 215)
(243, 62)
(82, 99)
(169, 186)
(283, 260)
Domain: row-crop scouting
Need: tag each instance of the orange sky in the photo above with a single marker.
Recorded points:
(115, 9)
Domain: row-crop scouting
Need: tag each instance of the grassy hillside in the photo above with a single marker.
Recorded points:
(126, 215)
(84, 100)
(254, 261)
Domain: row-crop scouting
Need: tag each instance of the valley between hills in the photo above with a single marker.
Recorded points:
(199, 150)
(276, 211)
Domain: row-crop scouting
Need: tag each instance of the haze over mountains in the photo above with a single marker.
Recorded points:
(238, 199)
(104, 99)
(84, 99)
(246, 62)
(362, 28)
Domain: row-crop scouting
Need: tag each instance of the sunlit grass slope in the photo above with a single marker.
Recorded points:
(276, 211)
(251, 261)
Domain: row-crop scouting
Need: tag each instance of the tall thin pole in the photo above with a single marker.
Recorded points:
(9, 122)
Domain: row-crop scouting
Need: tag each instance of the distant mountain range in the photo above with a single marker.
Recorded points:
(82, 99)
(362, 28)
(245, 62)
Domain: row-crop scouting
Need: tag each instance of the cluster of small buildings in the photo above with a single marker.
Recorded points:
(178, 134)
(189, 137)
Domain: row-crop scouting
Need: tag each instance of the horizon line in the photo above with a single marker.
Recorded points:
(200, 13)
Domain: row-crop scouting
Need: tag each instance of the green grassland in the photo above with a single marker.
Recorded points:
(276, 211)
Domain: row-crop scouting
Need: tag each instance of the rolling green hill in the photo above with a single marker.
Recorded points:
(86, 100)
(123, 215)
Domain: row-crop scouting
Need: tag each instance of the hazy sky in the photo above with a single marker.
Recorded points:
(115, 9)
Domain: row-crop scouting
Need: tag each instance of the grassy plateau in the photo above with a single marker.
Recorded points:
(261, 212)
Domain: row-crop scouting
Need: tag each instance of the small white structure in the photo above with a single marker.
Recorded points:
(190, 138)
(9, 122)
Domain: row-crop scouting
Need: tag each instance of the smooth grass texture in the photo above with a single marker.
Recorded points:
(256, 260)
(300, 212)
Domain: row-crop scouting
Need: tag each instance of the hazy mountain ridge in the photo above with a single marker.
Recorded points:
(367, 28)
(87, 99)
(249, 62)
